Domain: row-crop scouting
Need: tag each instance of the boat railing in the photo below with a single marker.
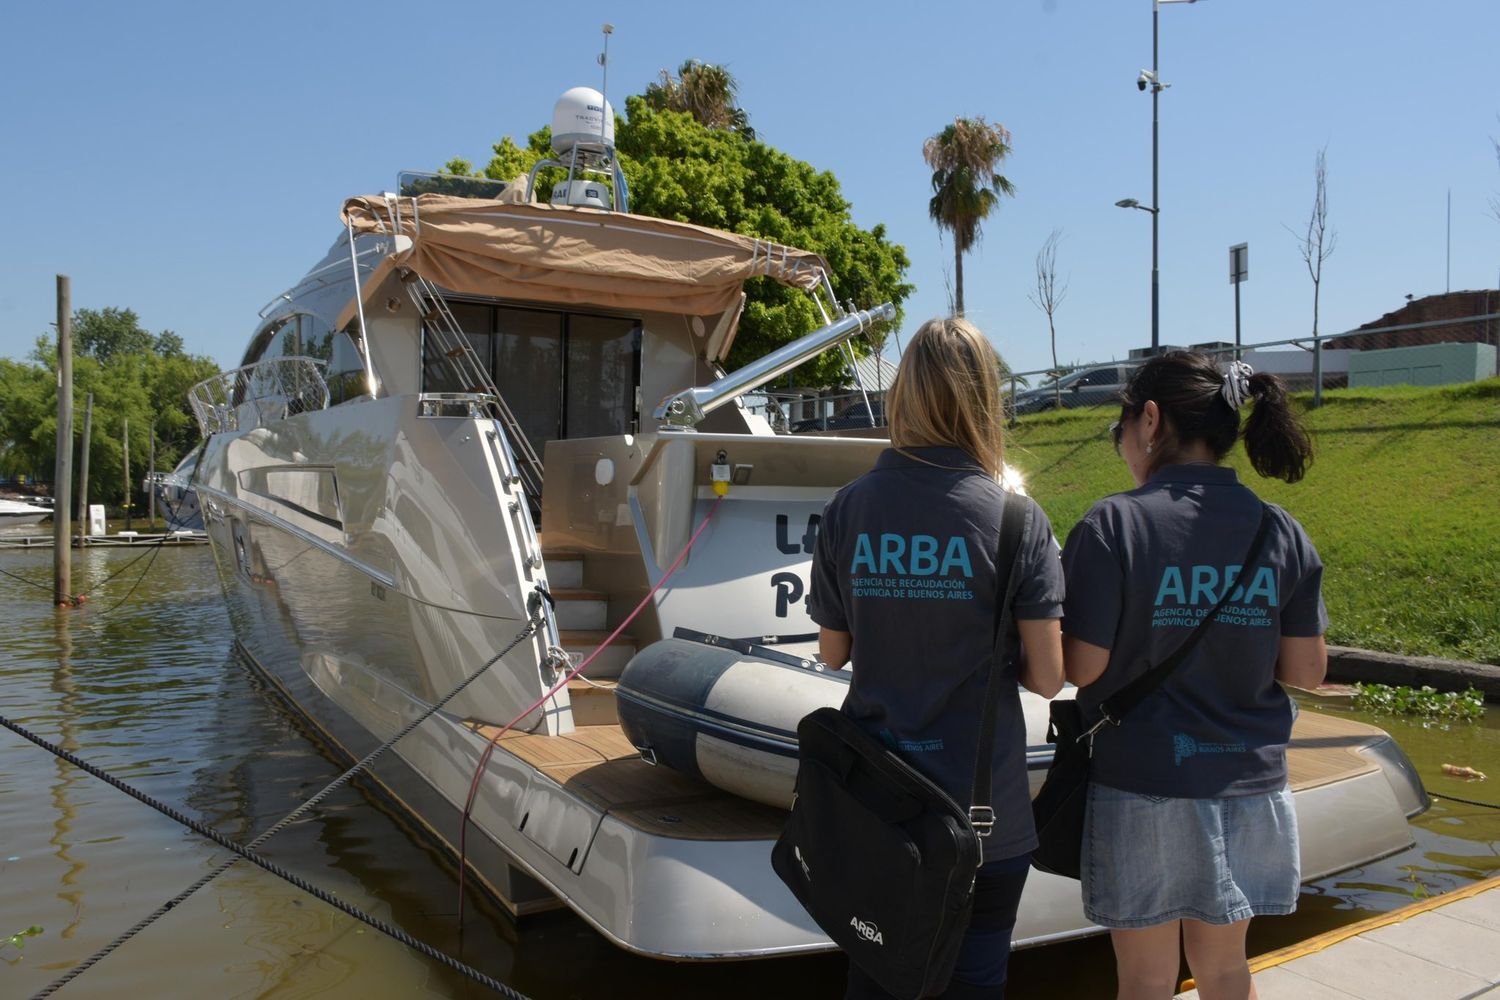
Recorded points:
(684, 410)
(245, 398)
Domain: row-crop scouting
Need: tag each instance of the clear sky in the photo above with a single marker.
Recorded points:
(188, 160)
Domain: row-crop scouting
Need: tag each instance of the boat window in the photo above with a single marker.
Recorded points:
(345, 371)
(601, 375)
(528, 370)
(562, 374)
(279, 340)
(478, 324)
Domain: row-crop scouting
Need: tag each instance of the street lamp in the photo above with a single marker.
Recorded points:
(1152, 78)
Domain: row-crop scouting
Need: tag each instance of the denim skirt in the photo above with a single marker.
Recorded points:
(1148, 859)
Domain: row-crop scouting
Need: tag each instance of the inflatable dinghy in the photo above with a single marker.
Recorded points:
(725, 709)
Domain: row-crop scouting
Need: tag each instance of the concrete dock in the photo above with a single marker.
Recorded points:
(1443, 948)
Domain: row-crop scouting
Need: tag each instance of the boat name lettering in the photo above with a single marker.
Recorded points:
(809, 536)
(789, 590)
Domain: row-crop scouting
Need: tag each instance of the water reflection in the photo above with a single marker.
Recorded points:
(153, 692)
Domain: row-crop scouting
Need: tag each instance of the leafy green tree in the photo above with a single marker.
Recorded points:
(133, 375)
(107, 332)
(707, 92)
(966, 185)
(680, 169)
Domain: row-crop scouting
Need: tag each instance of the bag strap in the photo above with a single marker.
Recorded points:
(1015, 531)
(1113, 708)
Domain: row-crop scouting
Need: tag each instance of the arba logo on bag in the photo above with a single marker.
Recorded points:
(869, 932)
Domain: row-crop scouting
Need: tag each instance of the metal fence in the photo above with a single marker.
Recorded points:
(1441, 351)
(1434, 352)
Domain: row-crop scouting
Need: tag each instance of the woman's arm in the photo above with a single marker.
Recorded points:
(1042, 666)
(1302, 661)
(1083, 662)
(834, 646)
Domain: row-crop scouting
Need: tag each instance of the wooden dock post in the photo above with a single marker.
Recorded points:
(127, 473)
(150, 477)
(83, 467)
(62, 475)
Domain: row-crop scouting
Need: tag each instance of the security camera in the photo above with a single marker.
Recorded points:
(1146, 77)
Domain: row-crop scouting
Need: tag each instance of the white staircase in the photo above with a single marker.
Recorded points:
(583, 623)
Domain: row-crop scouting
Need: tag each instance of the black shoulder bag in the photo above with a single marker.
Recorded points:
(1060, 805)
(880, 856)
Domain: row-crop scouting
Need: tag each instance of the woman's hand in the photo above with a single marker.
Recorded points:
(1302, 661)
(834, 646)
(1084, 662)
(1042, 664)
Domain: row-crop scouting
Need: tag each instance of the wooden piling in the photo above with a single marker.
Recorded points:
(83, 466)
(127, 473)
(62, 475)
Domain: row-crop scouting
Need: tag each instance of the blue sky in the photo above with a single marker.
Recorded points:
(188, 161)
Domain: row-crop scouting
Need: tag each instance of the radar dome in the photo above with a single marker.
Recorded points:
(577, 118)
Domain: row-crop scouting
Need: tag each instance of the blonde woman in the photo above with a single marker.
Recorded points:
(905, 586)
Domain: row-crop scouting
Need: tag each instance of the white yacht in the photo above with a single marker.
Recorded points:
(17, 512)
(474, 411)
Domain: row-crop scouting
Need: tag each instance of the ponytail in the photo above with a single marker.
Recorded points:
(1275, 441)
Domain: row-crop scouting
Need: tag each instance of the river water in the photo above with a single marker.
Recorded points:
(151, 691)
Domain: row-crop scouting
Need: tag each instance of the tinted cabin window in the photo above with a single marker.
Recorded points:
(528, 370)
(563, 375)
(601, 375)
(345, 371)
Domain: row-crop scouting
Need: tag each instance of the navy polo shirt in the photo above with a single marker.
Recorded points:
(905, 563)
(1144, 568)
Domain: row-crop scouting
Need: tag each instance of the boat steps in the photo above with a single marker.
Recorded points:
(599, 765)
(579, 643)
(579, 609)
(593, 701)
(564, 569)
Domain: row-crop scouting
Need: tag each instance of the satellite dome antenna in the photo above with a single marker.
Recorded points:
(583, 142)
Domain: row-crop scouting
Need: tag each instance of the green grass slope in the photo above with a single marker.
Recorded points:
(1402, 501)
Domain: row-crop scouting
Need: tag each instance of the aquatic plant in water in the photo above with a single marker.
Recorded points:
(18, 942)
(1466, 705)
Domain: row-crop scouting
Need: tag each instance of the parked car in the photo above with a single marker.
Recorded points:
(1096, 385)
(853, 415)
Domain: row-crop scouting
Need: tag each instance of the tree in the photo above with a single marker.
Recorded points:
(106, 332)
(966, 185)
(133, 375)
(1316, 244)
(1048, 297)
(707, 92)
(680, 169)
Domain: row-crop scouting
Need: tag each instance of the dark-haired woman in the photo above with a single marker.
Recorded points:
(1190, 829)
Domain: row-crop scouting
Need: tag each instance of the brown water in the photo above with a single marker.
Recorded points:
(151, 692)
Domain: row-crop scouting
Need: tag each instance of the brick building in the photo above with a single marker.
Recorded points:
(1430, 309)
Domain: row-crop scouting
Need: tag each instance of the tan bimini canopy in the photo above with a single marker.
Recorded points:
(575, 256)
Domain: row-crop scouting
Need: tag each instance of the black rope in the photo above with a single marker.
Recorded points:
(29, 583)
(276, 828)
(1468, 802)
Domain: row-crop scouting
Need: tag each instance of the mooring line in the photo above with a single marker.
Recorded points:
(247, 851)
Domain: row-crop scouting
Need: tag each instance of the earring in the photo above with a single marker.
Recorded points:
(1149, 446)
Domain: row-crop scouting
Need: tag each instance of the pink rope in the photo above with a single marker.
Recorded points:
(551, 692)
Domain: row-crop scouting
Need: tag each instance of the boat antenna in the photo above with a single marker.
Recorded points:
(609, 29)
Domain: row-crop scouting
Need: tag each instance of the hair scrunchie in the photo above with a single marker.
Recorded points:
(1236, 387)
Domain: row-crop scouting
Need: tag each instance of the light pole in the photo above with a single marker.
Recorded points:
(1152, 78)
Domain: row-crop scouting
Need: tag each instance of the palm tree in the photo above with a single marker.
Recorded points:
(705, 91)
(966, 187)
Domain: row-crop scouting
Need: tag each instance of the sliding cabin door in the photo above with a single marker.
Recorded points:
(564, 375)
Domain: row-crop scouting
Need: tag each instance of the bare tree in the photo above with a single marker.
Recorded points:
(1317, 245)
(1495, 198)
(1048, 297)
